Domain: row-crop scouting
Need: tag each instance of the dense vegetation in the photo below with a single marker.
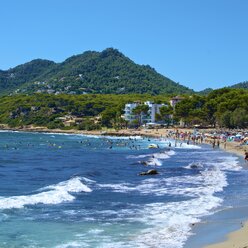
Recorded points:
(93, 111)
(12, 79)
(243, 85)
(89, 91)
(224, 107)
(108, 72)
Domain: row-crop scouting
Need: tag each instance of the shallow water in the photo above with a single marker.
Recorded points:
(85, 191)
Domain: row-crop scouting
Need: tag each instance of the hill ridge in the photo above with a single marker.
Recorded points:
(109, 71)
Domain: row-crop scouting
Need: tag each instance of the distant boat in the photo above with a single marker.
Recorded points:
(152, 146)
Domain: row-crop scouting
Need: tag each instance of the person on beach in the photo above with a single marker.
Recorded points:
(218, 143)
(246, 156)
(213, 144)
(225, 144)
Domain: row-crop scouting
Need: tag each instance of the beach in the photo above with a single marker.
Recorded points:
(232, 147)
(235, 239)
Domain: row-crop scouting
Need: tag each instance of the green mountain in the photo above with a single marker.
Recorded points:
(11, 79)
(104, 72)
(205, 91)
(243, 85)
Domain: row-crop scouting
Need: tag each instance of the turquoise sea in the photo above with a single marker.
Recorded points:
(60, 190)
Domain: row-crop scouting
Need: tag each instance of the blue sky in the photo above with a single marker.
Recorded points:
(198, 43)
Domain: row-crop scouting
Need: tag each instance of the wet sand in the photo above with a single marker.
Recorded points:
(237, 239)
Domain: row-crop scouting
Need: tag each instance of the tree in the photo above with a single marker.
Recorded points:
(166, 110)
(140, 110)
(107, 117)
(166, 114)
(210, 109)
(239, 118)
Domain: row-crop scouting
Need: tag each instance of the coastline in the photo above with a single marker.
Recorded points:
(235, 239)
(231, 147)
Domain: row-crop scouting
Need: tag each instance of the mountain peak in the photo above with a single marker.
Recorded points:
(109, 71)
(111, 52)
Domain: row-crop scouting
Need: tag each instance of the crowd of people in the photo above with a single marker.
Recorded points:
(216, 138)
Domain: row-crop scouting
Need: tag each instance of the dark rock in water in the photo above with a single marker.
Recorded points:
(195, 166)
(149, 172)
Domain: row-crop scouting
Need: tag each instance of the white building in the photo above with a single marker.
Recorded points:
(150, 117)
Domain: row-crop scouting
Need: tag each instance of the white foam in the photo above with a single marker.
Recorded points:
(54, 133)
(194, 165)
(169, 224)
(208, 182)
(186, 146)
(155, 159)
(109, 137)
(172, 221)
(154, 162)
(161, 155)
(9, 131)
(139, 156)
(71, 244)
(95, 231)
(229, 163)
(53, 194)
(178, 144)
(171, 152)
(119, 187)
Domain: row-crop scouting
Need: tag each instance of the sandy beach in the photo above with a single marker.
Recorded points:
(237, 239)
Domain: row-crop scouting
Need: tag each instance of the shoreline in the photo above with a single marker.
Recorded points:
(231, 147)
(238, 239)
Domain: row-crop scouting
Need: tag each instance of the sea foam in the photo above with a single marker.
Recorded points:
(53, 194)
(170, 224)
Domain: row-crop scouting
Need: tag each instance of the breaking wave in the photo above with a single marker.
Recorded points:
(53, 194)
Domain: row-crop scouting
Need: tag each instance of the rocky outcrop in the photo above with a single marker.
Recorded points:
(149, 172)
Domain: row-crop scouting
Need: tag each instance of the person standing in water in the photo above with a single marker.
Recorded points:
(213, 144)
(225, 144)
(246, 156)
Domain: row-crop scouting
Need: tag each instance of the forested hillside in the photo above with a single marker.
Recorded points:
(224, 107)
(107, 72)
(48, 109)
(12, 79)
(243, 85)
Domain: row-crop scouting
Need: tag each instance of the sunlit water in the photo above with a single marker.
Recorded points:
(85, 191)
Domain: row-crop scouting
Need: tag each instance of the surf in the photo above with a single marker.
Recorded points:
(52, 194)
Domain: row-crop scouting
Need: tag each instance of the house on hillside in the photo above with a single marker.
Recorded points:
(69, 120)
(175, 100)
